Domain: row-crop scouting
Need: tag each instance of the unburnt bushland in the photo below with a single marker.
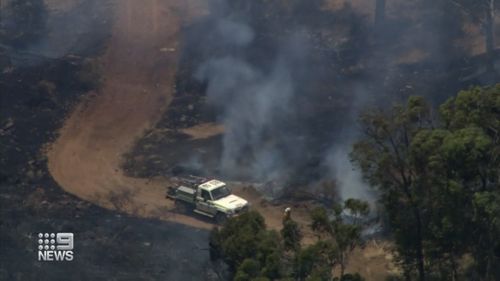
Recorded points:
(438, 177)
(252, 252)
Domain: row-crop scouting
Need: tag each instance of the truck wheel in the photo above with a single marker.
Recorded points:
(181, 207)
(220, 218)
(170, 192)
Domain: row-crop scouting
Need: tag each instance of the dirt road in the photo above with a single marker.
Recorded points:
(138, 69)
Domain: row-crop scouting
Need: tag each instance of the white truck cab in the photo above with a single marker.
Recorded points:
(212, 198)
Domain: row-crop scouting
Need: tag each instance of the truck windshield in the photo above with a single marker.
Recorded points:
(220, 192)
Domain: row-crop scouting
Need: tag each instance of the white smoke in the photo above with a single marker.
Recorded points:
(349, 180)
(254, 104)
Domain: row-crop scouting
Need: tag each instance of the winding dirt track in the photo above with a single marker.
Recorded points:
(138, 68)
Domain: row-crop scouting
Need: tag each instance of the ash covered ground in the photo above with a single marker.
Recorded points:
(39, 86)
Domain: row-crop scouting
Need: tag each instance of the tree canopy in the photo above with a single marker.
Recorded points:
(253, 252)
(438, 176)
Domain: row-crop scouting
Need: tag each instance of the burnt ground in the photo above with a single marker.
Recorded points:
(171, 152)
(108, 245)
(326, 99)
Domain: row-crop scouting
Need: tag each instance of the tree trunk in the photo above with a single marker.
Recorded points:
(342, 266)
(419, 246)
(379, 12)
(454, 273)
(489, 33)
(418, 221)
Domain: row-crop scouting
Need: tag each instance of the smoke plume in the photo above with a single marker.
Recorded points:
(288, 81)
(256, 106)
(277, 126)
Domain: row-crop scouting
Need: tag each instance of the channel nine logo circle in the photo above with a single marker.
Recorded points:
(55, 246)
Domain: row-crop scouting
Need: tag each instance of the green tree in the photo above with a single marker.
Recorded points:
(248, 270)
(443, 198)
(438, 180)
(315, 262)
(291, 235)
(343, 237)
(254, 253)
(472, 152)
(245, 244)
(383, 156)
(487, 219)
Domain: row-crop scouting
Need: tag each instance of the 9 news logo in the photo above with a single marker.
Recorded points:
(55, 246)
